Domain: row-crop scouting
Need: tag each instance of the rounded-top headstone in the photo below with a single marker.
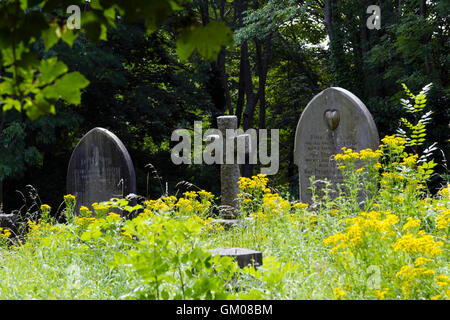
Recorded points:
(100, 168)
(333, 119)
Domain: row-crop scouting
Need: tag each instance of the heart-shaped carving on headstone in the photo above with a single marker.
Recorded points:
(332, 118)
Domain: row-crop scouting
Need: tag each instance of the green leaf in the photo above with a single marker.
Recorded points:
(10, 103)
(154, 12)
(95, 4)
(69, 87)
(50, 69)
(50, 37)
(7, 86)
(110, 13)
(69, 36)
(86, 236)
(206, 40)
(50, 93)
(39, 107)
(23, 4)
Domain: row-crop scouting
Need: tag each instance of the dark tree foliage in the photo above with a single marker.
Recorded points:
(139, 91)
(143, 85)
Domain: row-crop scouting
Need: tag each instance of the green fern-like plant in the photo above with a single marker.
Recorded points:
(416, 133)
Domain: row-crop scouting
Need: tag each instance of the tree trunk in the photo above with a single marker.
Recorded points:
(328, 19)
(241, 86)
(221, 60)
(252, 100)
(239, 7)
(250, 106)
(216, 84)
(204, 11)
(263, 61)
(426, 38)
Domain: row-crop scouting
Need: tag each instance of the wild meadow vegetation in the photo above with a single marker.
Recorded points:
(145, 68)
(394, 245)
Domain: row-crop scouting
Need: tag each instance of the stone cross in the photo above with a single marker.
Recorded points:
(333, 119)
(233, 144)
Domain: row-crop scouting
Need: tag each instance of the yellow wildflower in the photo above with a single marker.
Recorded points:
(69, 197)
(410, 160)
(205, 194)
(190, 194)
(84, 211)
(442, 280)
(360, 226)
(445, 191)
(45, 207)
(114, 216)
(443, 220)
(5, 233)
(411, 223)
(421, 261)
(413, 245)
(339, 293)
(333, 212)
(300, 205)
(380, 294)
(394, 142)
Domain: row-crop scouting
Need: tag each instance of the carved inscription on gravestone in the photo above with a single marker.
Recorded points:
(333, 119)
(100, 168)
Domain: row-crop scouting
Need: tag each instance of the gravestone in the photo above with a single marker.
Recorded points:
(333, 119)
(100, 168)
(244, 257)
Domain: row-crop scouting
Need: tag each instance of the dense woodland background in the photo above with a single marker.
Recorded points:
(284, 53)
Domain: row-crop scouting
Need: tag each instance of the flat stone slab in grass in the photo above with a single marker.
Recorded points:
(244, 257)
(100, 169)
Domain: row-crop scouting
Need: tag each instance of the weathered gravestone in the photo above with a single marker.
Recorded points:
(100, 168)
(333, 119)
